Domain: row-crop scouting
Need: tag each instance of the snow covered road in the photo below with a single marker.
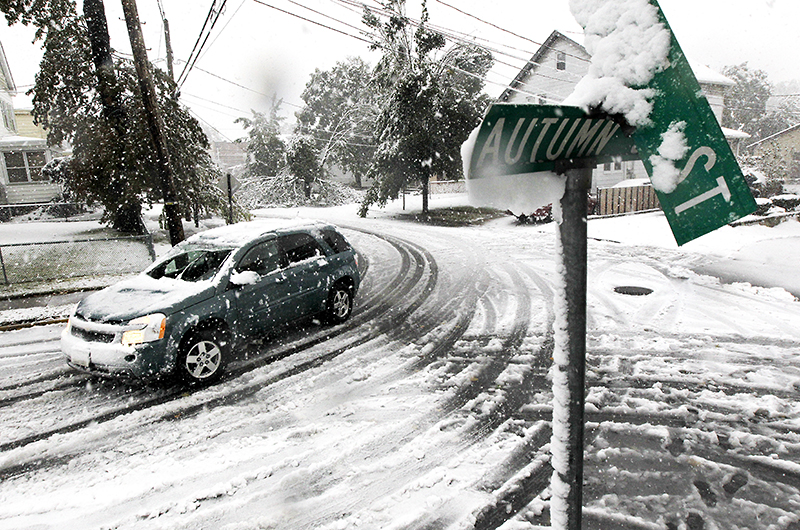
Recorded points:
(430, 408)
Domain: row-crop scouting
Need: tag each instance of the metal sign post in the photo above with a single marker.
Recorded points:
(570, 362)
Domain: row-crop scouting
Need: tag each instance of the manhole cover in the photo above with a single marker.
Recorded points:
(632, 290)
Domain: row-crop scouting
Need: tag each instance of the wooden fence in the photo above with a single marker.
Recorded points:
(615, 201)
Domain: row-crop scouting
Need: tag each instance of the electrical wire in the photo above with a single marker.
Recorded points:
(450, 34)
(311, 21)
(193, 60)
(505, 30)
(199, 37)
(223, 27)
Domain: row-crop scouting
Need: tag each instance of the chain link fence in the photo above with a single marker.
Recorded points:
(56, 260)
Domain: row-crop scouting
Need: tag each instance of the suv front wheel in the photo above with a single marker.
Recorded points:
(340, 303)
(202, 357)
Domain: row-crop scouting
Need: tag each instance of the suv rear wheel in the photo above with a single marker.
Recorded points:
(202, 357)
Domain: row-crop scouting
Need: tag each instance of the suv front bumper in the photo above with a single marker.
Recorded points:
(96, 348)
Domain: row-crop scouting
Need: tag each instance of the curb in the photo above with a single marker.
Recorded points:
(32, 323)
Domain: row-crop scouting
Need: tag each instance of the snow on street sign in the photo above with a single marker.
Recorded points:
(515, 139)
(710, 189)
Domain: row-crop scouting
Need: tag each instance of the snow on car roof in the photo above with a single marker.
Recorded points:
(240, 233)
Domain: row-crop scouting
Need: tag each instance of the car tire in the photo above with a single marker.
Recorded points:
(340, 304)
(202, 357)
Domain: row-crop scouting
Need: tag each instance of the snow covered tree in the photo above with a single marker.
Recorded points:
(303, 161)
(340, 113)
(264, 144)
(746, 103)
(434, 102)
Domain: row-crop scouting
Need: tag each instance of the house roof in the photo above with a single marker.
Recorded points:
(733, 134)
(535, 61)
(9, 142)
(706, 75)
(780, 133)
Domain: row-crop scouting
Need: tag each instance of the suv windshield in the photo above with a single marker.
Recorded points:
(192, 265)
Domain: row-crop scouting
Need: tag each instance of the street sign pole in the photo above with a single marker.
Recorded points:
(571, 341)
(230, 198)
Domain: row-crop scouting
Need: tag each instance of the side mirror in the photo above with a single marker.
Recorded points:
(240, 279)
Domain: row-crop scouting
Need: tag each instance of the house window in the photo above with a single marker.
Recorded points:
(25, 166)
(561, 61)
(617, 165)
(607, 166)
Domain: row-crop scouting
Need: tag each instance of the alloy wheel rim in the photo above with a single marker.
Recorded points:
(203, 360)
(341, 303)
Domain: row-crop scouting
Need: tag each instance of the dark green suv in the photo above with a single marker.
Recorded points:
(187, 312)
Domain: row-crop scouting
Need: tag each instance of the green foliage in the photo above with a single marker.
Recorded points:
(38, 13)
(340, 113)
(264, 144)
(434, 102)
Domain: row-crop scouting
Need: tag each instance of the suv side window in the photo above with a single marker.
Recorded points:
(262, 258)
(335, 240)
(299, 247)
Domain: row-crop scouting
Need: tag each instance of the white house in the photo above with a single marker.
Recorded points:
(21, 157)
(557, 66)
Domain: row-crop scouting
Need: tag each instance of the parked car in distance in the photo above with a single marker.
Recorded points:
(188, 311)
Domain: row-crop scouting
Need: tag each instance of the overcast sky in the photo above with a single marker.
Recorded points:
(256, 50)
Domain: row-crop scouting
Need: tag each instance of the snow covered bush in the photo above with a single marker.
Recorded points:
(286, 190)
(787, 201)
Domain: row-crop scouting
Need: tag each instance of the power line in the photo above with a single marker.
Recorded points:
(234, 83)
(224, 27)
(311, 21)
(459, 37)
(192, 60)
(452, 36)
(505, 30)
(327, 16)
(199, 36)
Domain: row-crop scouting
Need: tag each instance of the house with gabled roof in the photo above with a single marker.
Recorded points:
(21, 157)
(551, 74)
(560, 63)
(783, 148)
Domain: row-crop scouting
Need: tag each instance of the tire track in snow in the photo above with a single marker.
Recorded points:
(515, 395)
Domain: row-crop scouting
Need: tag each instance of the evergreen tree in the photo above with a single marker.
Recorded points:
(434, 102)
(264, 144)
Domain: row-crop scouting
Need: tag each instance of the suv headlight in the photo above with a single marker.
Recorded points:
(147, 329)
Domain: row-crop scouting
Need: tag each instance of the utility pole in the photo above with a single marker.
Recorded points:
(167, 41)
(154, 122)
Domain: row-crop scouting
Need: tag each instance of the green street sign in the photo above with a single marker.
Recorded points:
(515, 139)
(711, 191)
(707, 190)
